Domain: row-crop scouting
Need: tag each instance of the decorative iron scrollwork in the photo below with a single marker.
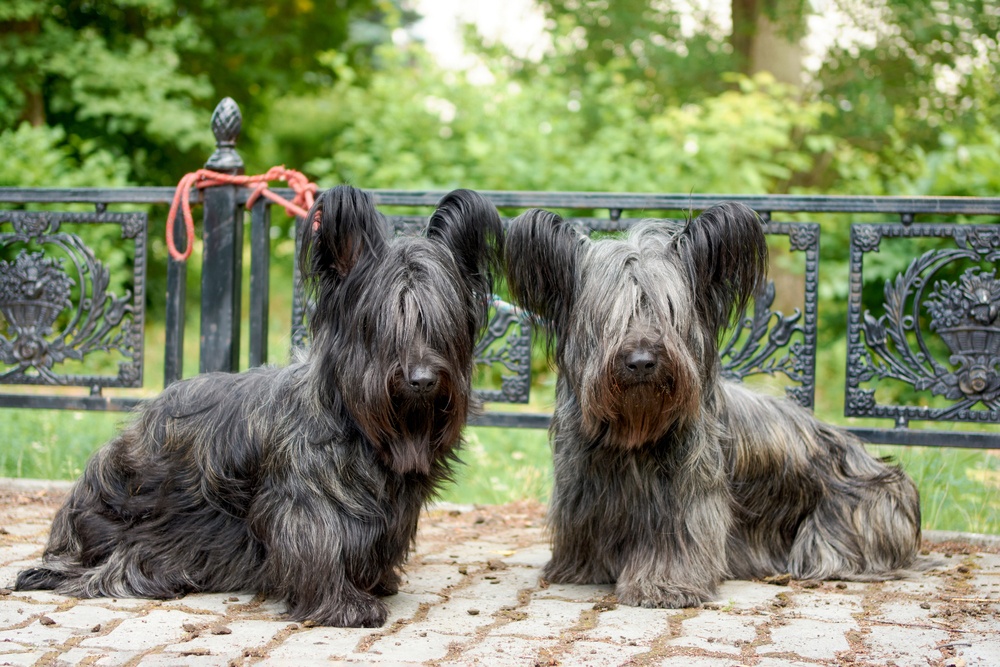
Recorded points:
(769, 342)
(507, 343)
(56, 305)
(961, 361)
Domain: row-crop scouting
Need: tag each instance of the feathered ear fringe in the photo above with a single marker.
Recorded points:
(342, 228)
(725, 254)
(540, 257)
(470, 227)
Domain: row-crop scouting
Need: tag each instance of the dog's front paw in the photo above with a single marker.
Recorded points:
(356, 612)
(659, 595)
(388, 585)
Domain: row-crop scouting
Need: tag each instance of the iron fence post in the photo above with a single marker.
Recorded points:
(222, 260)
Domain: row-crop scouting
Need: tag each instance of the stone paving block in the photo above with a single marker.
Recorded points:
(403, 606)
(740, 595)
(918, 586)
(462, 616)
(599, 654)
(716, 632)
(904, 612)
(984, 650)
(319, 643)
(39, 597)
(105, 658)
(534, 556)
(501, 651)
(209, 603)
(158, 627)
(411, 645)
(808, 638)
(823, 607)
(8, 575)
(781, 662)
(575, 592)
(86, 617)
(26, 554)
(14, 610)
(431, 578)
(242, 635)
(544, 618)
(125, 604)
(175, 660)
(35, 634)
(697, 661)
(502, 585)
(628, 625)
(471, 552)
(20, 659)
(907, 647)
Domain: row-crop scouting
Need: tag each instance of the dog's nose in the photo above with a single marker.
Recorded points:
(422, 379)
(640, 362)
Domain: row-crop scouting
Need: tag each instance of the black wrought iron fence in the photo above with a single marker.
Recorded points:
(923, 335)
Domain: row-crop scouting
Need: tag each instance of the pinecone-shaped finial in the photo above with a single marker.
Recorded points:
(227, 121)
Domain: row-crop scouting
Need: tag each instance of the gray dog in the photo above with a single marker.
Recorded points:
(668, 478)
(302, 482)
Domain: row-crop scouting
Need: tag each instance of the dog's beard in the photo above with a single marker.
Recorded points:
(630, 415)
(411, 432)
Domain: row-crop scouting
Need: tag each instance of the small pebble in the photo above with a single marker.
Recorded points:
(45, 620)
(190, 627)
(221, 630)
(925, 605)
(473, 612)
(96, 628)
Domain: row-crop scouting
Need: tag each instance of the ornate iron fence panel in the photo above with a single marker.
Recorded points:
(937, 333)
(58, 306)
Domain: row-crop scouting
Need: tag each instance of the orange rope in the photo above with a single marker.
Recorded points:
(305, 192)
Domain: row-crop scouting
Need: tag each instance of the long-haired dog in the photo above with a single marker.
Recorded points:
(669, 478)
(304, 482)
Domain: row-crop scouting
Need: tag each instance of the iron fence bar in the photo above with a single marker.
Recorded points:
(522, 199)
(95, 403)
(176, 298)
(927, 438)
(260, 282)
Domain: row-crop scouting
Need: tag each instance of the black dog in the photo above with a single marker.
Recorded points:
(668, 478)
(302, 482)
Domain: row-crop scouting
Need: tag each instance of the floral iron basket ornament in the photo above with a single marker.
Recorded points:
(966, 314)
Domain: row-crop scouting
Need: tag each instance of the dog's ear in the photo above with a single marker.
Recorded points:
(469, 225)
(343, 228)
(540, 258)
(725, 254)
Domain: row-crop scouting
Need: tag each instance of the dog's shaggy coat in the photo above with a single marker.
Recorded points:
(304, 482)
(668, 478)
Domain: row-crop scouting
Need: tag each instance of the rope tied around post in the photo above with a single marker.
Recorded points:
(305, 192)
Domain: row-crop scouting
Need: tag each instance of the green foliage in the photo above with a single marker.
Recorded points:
(140, 78)
(44, 157)
(544, 134)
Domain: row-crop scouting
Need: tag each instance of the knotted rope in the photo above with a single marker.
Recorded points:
(305, 192)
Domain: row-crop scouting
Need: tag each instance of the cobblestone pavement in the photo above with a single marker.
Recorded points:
(472, 596)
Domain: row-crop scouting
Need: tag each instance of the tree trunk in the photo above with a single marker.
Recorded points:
(763, 45)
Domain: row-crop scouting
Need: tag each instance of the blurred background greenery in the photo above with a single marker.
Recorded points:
(892, 97)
